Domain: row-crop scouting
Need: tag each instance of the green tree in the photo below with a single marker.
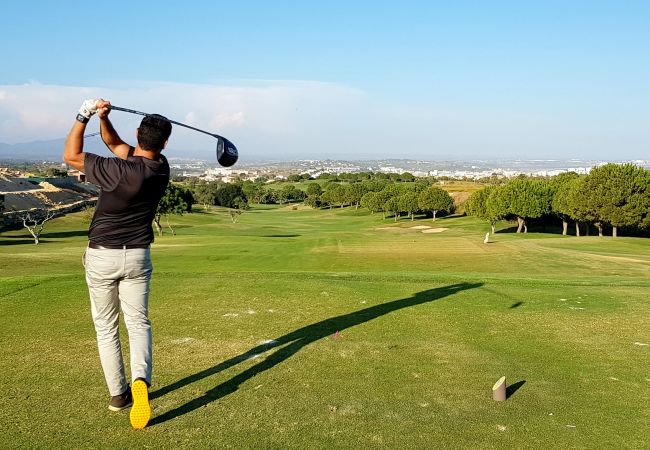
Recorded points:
(205, 192)
(477, 205)
(391, 206)
(409, 202)
(314, 189)
(325, 199)
(173, 201)
(336, 194)
(251, 190)
(313, 201)
(643, 200)
(390, 191)
(407, 177)
(289, 193)
(578, 207)
(239, 205)
(435, 199)
(375, 185)
(267, 196)
(329, 185)
(331, 196)
(56, 173)
(283, 194)
(227, 194)
(343, 194)
(560, 187)
(372, 202)
(355, 192)
(526, 199)
(496, 207)
(422, 184)
(394, 189)
(350, 177)
(619, 195)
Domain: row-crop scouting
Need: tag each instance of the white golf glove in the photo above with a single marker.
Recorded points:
(88, 108)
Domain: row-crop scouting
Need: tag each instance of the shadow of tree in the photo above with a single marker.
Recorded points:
(65, 234)
(16, 241)
(46, 234)
(291, 343)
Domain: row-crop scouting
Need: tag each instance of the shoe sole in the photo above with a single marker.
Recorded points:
(116, 409)
(140, 411)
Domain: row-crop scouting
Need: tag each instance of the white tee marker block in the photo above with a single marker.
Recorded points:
(487, 238)
(499, 390)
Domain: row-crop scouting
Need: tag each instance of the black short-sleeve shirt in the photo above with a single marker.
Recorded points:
(130, 191)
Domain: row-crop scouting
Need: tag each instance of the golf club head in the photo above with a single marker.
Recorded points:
(226, 152)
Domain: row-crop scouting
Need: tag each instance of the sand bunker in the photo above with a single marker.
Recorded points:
(435, 230)
(422, 228)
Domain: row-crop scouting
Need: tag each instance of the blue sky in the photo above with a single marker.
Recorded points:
(430, 80)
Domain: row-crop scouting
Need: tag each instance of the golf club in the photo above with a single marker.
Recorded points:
(226, 151)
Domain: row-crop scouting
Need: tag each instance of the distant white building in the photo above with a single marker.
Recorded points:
(219, 172)
(391, 169)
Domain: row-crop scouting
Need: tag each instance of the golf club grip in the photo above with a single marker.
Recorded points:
(133, 111)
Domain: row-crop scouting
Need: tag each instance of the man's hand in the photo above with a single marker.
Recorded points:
(88, 108)
(103, 108)
(108, 133)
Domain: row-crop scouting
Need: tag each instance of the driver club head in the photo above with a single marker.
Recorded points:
(226, 152)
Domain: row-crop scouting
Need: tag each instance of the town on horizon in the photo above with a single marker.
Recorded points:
(280, 170)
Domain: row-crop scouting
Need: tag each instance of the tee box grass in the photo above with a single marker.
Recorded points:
(299, 328)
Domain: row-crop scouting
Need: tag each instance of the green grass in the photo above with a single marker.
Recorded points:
(427, 322)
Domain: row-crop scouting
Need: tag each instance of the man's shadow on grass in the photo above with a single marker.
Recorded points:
(289, 344)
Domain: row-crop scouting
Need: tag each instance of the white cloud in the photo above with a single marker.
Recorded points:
(190, 118)
(224, 120)
(261, 116)
(302, 119)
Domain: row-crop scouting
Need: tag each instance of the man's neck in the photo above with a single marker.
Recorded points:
(145, 153)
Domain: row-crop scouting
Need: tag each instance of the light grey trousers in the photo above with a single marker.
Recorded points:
(119, 279)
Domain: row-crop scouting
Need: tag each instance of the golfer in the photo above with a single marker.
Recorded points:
(117, 260)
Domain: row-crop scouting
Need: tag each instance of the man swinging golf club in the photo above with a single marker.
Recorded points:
(117, 260)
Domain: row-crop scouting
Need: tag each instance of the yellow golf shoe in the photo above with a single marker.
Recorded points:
(140, 411)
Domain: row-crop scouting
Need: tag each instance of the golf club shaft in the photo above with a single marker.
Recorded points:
(226, 151)
(132, 111)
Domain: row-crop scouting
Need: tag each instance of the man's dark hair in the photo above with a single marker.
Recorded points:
(153, 132)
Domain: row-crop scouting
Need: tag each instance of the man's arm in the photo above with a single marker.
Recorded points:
(73, 153)
(73, 150)
(110, 137)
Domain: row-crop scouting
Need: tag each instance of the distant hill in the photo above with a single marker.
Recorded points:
(51, 150)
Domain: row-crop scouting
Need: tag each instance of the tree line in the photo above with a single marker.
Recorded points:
(377, 194)
(612, 195)
(616, 195)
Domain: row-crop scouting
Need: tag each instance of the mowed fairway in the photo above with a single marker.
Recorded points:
(337, 329)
